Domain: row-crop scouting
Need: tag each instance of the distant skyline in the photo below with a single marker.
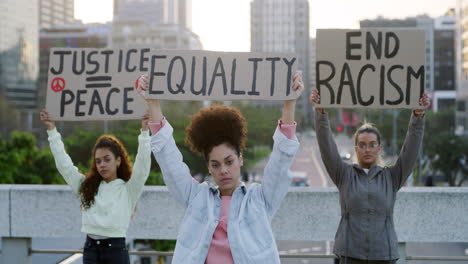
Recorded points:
(224, 25)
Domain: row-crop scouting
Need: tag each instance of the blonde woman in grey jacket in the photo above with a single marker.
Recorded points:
(366, 233)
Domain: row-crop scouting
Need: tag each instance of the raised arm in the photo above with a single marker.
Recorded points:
(175, 172)
(335, 166)
(63, 162)
(276, 173)
(410, 149)
(142, 166)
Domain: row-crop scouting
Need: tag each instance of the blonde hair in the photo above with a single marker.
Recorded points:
(367, 127)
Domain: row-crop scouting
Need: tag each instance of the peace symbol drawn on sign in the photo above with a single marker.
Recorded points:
(57, 84)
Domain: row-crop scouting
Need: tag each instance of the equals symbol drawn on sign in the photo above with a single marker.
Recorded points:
(98, 82)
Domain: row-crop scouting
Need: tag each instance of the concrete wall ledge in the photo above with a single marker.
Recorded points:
(422, 214)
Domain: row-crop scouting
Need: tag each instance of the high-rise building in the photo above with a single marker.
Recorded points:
(421, 22)
(154, 11)
(443, 96)
(56, 12)
(185, 13)
(461, 36)
(151, 11)
(72, 36)
(19, 52)
(143, 34)
(312, 60)
(160, 24)
(283, 26)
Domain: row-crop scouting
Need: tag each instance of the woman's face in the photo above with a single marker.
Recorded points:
(106, 164)
(367, 149)
(224, 165)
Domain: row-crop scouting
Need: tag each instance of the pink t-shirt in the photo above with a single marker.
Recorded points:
(219, 251)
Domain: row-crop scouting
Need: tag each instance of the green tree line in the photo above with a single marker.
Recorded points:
(443, 152)
(22, 162)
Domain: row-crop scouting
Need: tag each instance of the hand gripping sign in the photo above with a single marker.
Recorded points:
(97, 84)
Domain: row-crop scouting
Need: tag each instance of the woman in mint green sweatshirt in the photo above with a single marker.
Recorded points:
(108, 192)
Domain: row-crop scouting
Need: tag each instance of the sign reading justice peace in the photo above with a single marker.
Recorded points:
(98, 84)
(370, 68)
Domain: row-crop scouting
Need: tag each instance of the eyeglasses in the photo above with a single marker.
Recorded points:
(363, 146)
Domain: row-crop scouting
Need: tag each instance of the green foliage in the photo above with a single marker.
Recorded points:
(8, 117)
(384, 121)
(159, 245)
(254, 155)
(439, 123)
(444, 151)
(449, 154)
(155, 178)
(21, 162)
(261, 123)
(79, 146)
(436, 123)
(163, 245)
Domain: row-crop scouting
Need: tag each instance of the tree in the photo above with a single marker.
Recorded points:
(448, 154)
(8, 117)
(21, 162)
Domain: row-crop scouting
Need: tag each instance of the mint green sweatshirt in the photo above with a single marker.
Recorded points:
(115, 201)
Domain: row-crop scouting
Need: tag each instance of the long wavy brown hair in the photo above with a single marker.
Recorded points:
(90, 186)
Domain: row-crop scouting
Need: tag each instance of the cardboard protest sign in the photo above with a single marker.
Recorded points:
(207, 75)
(98, 84)
(95, 84)
(370, 68)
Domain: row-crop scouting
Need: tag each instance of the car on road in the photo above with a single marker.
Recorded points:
(345, 155)
(298, 178)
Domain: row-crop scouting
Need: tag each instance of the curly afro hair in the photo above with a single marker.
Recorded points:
(215, 125)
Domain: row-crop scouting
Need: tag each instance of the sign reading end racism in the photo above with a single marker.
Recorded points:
(98, 84)
(207, 75)
(370, 68)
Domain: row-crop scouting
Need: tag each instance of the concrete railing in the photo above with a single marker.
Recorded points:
(421, 214)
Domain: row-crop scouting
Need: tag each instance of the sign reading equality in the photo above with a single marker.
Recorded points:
(98, 84)
(208, 75)
(373, 68)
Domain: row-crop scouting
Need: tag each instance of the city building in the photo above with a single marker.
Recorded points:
(163, 36)
(440, 53)
(72, 36)
(421, 22)
(444, 94)
(461, 36)
(283, 26)
(56, 12)
(19, 59)
(160, 24)
(154, 11)
(312, 60)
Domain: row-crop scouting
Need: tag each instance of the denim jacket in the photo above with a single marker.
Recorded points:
(252, 208)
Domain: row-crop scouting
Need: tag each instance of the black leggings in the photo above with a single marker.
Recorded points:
(105, 251)
(364, 261)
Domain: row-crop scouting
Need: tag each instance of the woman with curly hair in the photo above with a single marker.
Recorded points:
(108, 192)
(228, 222)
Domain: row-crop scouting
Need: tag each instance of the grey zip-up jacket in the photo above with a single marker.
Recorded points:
(366, 229)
